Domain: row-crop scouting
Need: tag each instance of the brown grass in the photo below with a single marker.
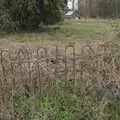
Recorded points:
(37, 69)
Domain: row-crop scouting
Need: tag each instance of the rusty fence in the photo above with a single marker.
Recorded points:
(36, 71)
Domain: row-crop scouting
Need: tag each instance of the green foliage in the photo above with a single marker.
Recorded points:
(28, 14)
(69, 102)
(6, 23)
(53, 10)
(21, 105)
(23, 13)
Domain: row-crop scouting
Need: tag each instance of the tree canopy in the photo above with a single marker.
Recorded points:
(28, 14)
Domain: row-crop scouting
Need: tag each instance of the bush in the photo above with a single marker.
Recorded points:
(23, 13)
(54, 10)
(28, 14)
(6, 24)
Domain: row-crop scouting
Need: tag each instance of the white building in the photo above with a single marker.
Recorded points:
(70, 4)
(73, 5)
(73, 12)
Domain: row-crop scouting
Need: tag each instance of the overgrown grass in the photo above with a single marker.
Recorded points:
(84, 100)
(69, 102)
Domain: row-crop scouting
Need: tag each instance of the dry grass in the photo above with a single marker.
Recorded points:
(36, 70)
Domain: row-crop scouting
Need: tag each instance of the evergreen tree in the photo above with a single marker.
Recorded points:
(28, 14)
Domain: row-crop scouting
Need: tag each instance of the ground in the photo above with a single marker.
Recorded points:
(69, 31)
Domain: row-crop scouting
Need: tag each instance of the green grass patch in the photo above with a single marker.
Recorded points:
(69, 102)
(68, 31)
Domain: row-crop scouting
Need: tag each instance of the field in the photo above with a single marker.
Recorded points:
(69, 71)
(69, 31)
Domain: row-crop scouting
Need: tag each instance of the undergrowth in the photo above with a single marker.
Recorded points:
(68, 102)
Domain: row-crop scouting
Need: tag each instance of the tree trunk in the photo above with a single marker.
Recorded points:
(41, 9)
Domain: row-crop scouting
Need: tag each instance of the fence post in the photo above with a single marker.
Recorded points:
(74, 65)
(66, 70)
(39, 74)
(56, 68)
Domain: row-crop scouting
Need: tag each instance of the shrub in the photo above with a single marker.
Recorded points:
(28, 14)
(23, 13)
(6, 24)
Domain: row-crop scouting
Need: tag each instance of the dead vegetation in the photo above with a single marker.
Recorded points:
(38, 69)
